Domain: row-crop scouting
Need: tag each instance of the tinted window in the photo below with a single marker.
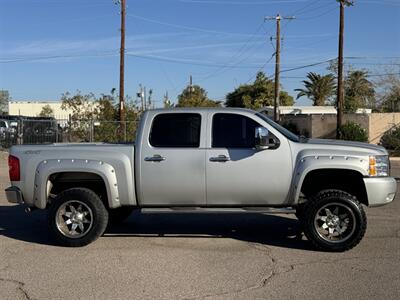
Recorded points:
(2, 124)
(233, 131)
(176, 130)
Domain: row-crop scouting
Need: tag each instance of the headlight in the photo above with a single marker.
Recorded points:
(379, 166)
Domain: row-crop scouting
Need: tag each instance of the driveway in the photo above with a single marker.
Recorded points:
(196, 257)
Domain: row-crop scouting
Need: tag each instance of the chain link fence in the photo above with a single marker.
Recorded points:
(21, 132)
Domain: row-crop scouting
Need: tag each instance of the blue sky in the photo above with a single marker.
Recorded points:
(48, 47)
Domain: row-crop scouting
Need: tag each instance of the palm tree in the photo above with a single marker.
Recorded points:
(319, 88)
(360, 92)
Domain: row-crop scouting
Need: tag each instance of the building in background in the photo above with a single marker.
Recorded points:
(320, 121)
(33, 108)
(307, 110)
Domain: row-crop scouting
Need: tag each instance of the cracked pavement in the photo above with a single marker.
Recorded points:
(206, 256)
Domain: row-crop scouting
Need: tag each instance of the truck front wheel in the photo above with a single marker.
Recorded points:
(77, 217)
(334, 220)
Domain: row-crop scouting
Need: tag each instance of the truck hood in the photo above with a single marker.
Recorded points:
(342, 147)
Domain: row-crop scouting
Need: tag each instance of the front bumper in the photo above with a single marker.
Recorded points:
(14, 195)
(380, 190)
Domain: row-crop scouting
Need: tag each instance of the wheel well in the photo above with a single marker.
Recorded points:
(346, 180)
(67, 180)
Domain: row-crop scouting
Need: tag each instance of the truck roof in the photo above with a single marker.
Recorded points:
(211, 109)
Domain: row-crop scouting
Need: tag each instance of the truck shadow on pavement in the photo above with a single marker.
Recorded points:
(274, 230)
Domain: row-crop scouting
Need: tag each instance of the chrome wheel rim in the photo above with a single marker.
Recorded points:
(335, 222)
(74, 219)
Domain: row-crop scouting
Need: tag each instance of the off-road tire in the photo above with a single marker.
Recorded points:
(325, 197)
(99, 216)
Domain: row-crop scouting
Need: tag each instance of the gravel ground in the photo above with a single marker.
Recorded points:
(196, 256)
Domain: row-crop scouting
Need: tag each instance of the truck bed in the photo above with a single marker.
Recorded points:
(117, 158)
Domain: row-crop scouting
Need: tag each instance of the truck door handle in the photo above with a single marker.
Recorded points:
(220, 158)
(155, 157)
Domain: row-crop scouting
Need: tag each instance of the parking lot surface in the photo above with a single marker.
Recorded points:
(206, 256)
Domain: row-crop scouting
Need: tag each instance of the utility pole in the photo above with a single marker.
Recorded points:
(151, 104)
(340, 85)
(191, 89)
(278, 19)
(122, 67)
(141, 96)
(144, 98)
(167, 102)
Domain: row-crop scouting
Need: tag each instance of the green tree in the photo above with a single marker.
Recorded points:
(4, 99)
(46, 111)
(105, 108)
(82, 112)
(389, 92)
(96, 119)
(257, 95)
(391, 140)
(359, 91)
(195, 96)
(319, 88)
(81, 106)
(391, 101)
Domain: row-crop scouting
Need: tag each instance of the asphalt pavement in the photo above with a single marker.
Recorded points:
(206, 256)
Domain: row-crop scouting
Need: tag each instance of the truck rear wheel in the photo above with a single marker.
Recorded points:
(334, 220)
(77, 217)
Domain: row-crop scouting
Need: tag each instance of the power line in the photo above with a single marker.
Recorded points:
(308, 66)
(51, 57)
(261, 68)
(114, 53)
(367, 75)
(382, 75)
(202, 46)
(188, 27)
(372, 57)
(305, 8)
(242, 2)
(186, 62)
(319, 15)
(229, 64)
(380, 2)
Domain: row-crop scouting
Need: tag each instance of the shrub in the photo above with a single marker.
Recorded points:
(353, 132)
(292, 127)
(391, 140)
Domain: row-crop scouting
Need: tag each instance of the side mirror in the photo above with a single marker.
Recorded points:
(263, 140)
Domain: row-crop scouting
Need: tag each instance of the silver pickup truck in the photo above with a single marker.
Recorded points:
(205, 160)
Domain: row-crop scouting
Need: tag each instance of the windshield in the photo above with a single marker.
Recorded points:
(290, 135)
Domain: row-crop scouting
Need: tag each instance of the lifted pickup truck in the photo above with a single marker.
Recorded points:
(205, 160)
